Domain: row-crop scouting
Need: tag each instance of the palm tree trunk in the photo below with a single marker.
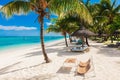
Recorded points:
(42, 39)
(111, 39)
(70, 39)
(66, 40)
(83, 41)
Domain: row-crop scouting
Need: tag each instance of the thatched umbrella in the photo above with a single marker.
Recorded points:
(83, 32)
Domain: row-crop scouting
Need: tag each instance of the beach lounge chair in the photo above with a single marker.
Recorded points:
(70, 62)
(80, 48)
(83, 67)
(73, 40)
(79, 42)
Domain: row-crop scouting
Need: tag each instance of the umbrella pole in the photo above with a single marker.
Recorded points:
(87, 41)
(83, 41)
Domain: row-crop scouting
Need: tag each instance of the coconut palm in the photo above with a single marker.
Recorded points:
(109, 10)
(71, 23)
(58, 29)
(24, 7)
(42, 7)
(64, 29)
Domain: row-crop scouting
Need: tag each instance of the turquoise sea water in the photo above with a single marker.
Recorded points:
(10, 41)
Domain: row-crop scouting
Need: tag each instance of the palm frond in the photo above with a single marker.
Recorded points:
(53, 28)
(106, 12)
(87, 3)
(102, 19)
(106, 3)
(113, 4)
(60, 7)
(117, 9)
(16, 7)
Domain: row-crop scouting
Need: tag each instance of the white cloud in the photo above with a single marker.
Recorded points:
(48, 23)
(16, 28)
(53, 34)
(0, 6)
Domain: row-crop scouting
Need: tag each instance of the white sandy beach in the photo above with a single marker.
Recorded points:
(27, 63)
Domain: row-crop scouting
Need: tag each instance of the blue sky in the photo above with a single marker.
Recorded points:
(23, 25)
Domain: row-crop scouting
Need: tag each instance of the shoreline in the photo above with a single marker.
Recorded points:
(12, 47)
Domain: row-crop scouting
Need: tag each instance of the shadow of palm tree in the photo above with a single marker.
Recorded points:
(68, 53)
(43, 77)
(4, 70)
(109, 52)
(48, 50)
(57, 44)
(96, 45)
(52, 45)
(61, 52)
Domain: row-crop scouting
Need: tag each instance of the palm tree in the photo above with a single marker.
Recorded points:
(71, 23)
(42, 7)
(58, 29)
(64, 29)
(109, 10)
(23, 7)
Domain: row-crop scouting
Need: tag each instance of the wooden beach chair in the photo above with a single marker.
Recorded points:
(80, 48)
(70, 61)
(83, 68)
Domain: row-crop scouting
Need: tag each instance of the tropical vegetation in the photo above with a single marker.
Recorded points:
(105, 15)
(106, 20)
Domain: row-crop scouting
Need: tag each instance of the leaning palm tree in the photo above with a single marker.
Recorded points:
(42, 7)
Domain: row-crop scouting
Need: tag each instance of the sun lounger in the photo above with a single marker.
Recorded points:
(79, 48)
(79, 42)
(69, 61)
(83, 67)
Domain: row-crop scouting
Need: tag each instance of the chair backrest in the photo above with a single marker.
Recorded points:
(84, 64)
(83, 67)
(79, 42)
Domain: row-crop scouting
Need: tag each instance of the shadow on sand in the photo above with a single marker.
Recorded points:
(107, 51)
(62, 51)
(64, 70)
(5, 69)
(43, 77)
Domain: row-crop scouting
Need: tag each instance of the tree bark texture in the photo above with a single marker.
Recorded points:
(41, 17)
(66, 40)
